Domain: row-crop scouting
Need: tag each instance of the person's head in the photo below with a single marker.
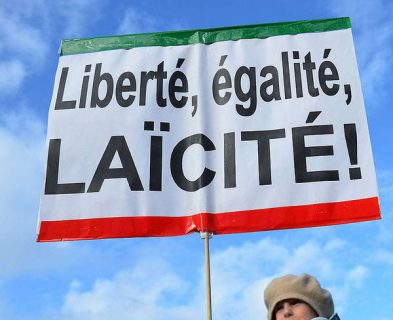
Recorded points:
(298, 298)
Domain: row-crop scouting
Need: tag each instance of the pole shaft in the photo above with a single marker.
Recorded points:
(208, 280)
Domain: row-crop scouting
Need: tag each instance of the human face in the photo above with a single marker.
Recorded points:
(294, 309)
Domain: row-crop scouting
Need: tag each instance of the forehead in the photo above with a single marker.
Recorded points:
(293, 301)
(290, 301)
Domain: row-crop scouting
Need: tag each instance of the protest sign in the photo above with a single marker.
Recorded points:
(225, 130)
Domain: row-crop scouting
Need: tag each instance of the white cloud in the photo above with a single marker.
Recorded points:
(22, 49)
(383, 256)
(373, 33)
(153, 290)
(22, 137)
(136, 22)
(12, 73)
(22, 38)
(77, 16)
(343, 290)
(21, 141)
(138, 294)
(385, 182)
(27, 31)
(308, 256)
(21, 153)
(335, 244)
(239, 275)
(357, 275)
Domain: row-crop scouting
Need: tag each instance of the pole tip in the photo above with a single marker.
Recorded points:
(205, 235)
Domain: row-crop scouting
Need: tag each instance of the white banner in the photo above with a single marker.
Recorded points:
(233, 134)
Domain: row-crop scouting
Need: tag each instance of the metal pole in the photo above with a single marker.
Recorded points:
(206, 236)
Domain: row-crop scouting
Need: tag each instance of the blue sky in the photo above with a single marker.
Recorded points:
(162, 278)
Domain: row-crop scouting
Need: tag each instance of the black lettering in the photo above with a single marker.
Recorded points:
(85, 83)
(286, 75)
(301, 152)
(60, 104)
(325, 77)
(160, 75)
(98, 79)
(309, 66)
(122, 88)
(298, 76)
(128, 170)
(245, 96)
(272, 82)
(174, 88)
(178, 176)
(264, 162)
(229, 160)
(217, 86)
(155, 164)
(52, 185)
(145, 77)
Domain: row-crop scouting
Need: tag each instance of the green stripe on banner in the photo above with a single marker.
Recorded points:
(203, 36)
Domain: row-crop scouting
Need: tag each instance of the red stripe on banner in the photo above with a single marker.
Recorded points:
(314, 215)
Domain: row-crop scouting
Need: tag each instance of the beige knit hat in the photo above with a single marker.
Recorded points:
(303, 287)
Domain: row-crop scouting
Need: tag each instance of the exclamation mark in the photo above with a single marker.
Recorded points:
(352, 145)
